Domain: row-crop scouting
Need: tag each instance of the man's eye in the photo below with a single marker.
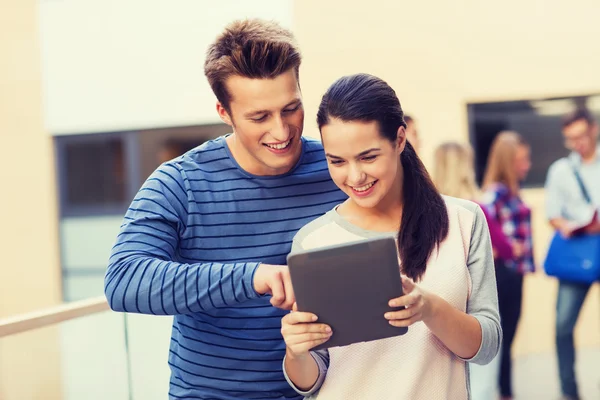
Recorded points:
(259, 119)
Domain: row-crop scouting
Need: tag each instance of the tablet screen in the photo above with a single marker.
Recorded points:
(348, 287)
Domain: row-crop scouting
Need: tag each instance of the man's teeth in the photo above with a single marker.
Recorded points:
(279, 146)
(363, 188)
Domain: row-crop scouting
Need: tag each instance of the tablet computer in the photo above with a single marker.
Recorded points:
(348, 287)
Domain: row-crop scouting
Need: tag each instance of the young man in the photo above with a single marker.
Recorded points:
(206, 237)
(567, 209)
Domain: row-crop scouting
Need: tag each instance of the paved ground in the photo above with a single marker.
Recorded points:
(536, 376)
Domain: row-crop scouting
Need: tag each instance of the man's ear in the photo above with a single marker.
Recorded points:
(224, 114)
(401, 139)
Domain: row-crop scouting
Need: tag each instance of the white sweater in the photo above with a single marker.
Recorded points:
(415, 366)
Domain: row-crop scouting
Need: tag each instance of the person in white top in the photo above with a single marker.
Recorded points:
(446, 262)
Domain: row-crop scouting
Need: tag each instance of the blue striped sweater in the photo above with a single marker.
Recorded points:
(189, 245)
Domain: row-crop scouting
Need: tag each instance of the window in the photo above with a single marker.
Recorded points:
(100, 173)
(98, 176)
(93, 174)
(537, 120)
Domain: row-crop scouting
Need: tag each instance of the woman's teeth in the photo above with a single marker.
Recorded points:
(363, 188)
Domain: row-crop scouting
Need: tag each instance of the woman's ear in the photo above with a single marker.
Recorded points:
(401, 139)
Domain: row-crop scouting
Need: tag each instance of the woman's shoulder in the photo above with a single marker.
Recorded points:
(463, 212)
(453, 202)
(312, 228)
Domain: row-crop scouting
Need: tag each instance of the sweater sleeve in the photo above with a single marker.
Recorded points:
(321, 357)
(143, 275)
(483, 302)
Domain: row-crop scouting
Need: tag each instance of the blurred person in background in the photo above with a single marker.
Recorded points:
(454, 175)
(206, 237)
(412, 134)
(507, 166)
(567, 209)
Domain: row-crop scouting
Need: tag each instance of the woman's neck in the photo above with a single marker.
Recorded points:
(380, 219)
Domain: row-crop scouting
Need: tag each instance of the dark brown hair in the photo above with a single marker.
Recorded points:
(251, 48)
(424, 223)
(577, 115)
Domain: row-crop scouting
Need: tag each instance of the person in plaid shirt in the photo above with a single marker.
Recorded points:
(508, 165)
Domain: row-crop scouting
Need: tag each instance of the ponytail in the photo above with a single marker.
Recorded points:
(424, 223)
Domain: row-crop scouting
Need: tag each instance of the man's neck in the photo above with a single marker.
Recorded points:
(590, 158)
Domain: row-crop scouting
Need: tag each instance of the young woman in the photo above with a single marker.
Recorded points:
(454, 175)
(445, 259)
(508, 165)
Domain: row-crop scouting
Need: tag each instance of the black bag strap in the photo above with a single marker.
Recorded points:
(584, 191)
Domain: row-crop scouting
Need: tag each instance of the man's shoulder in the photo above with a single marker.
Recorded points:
(313, 161)
(560, 164)
(559, 168)
(312, 143)
(211, 149)
(313, 149)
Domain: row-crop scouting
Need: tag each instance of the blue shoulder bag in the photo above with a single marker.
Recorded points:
(576, 259)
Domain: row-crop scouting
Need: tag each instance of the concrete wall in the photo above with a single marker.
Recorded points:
(440, 56)
(29, 274)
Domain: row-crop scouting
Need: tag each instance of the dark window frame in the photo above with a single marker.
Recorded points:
(499, 112)
(131, 172)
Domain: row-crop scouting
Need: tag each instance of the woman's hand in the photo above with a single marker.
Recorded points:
(301, 332)
(417, 302)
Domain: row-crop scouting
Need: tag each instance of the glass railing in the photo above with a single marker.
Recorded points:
(82, 350)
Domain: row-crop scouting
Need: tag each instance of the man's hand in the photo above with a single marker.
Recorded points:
(275, 280)
(594, 227)
(566, 231)
(563, 226)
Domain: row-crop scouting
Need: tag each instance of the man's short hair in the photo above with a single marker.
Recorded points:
(577, 115)
(250, 48)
